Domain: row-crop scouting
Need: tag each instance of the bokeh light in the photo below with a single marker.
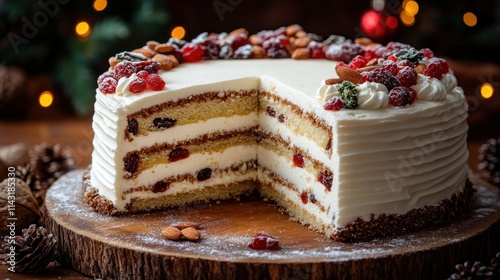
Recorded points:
(411, 8)
(100, 5)
(487, 90)
(178, 32)
(82, 29)
(46, 99)
(407, 19)
(470, 19)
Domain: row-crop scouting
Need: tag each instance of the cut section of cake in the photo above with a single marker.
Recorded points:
(393, 158)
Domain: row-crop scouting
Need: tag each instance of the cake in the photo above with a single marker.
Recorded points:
(352, 139)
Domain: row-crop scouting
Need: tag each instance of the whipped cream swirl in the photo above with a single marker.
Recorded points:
(449, 81)
(428, 88)
(325, 92)
(122, 87)
(372, 95)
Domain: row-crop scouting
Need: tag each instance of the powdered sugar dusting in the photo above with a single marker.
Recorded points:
(228, 227)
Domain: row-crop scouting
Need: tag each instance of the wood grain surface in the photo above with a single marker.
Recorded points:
(132, 247)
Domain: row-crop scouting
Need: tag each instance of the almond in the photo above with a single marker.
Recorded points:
(112, 62)
(302, 42)
(291, 30)
(300, 33)
(420, 68)
(258, 52)
(367, 68)
(190, 233)
(363, 41)
(348, 74)
(333, 81)
(171, 233)
(184, 225)
(165, 62)
(174, 60)
(164, 48)
(300, 53)
(372, 62)
(238, 32)
(152, 44)
(147, 52)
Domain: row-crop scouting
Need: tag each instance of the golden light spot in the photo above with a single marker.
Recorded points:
(46, 98)
(82, 29)
(178, 32)
(100, 5)
(411, 8)
(487, 90)
(470, 19)
(406, 19)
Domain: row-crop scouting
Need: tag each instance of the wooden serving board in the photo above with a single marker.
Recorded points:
(132, 247)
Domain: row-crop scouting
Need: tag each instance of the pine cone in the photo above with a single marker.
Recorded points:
(48, 163)
(477, 271)
(33, 250)
(489, 157)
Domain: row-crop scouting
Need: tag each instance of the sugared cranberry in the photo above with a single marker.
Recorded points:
(390, 66)
(270, 111)
(428, 53)
(160, 186)
(178, 154)
(239, 41)
(164, 122)
(108, 85)
(334, 104)
(344, 52)
(316, 50)
(133, 126)
(204, 174)
(143, 74)
(262, 241)
(137, 85)
(298, 160)
(192, 52)
(131, 162)
(275, 47)
(442, 63)
(107, 74)
(125, 69)
(326, 178)
(155, 82)
(393, 58)
(404, 63)
(433, 70)
(358, 62)
(402, 96)
(149, 66)
(304, 197)
(382, 76)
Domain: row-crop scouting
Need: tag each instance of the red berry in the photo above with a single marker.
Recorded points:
(358, 62)
(326, 178)
(125, 69)
(270, 111)
(137, 86)
(428, 53)
(407, 76)
(143, 74)
(371, 54)
(390, 66)
(155, 82)
(108, 85)
(341, 63)
(192, 52)
(160, 186)
(433, 70)
(404, 63)
(178, 154)
(382, 76)
(262, 241)
(298, 160)
(107, 74)
(402, 96)
(149, 66)
(316, 50)
(442, 63)
(304, 197)
(239, 41)
(334, 104)
(393, 58)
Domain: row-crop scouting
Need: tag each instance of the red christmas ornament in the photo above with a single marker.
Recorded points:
(378, 25)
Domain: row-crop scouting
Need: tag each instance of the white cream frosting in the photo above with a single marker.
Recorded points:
(429, 88)
(383, 161)
(123, 85)
(372, 95)
(449, 81)
(326, 92)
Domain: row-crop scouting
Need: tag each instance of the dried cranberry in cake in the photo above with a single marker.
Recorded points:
(316, 50)
(262, 241)
(178, 154)
(428, 53)
(270, 111)
(390, 66)
(192, 52)
(138, 85)
(275, 47)
(108, 85)
(164, 122)
(433, 70)
(281, 118)
(334, 104)
(402, 96)
(107, 74)
(204, 174)
(357, 62)
(326, 178)
(149, 66)
(125, 69)
(298, 160)
(312, 197)
(304, 197)
(133, 126)
(407, 76)
(344, 52)
(160, 186)
(382, 76)
(155, 82)
(131, 162)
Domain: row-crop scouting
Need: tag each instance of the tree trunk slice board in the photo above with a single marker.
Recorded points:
(131, 247)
